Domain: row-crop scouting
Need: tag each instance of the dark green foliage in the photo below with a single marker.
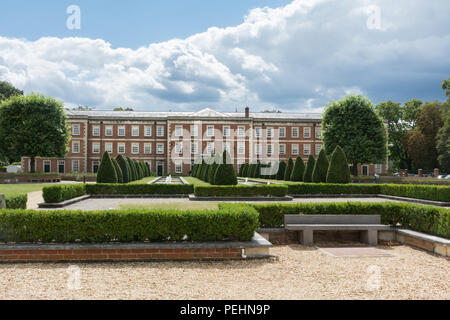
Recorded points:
(204, 172)
(131, 167)
(7, 91)
(106, 172)
(245, 170)
(241, 170)
(225, 175)
(276, 190)
(307, 176)
(139, 170)
(433, 193)
(60, 193)
(16, 201)
(428, 219)
(338, 171)
(320, 171)
(257, 170)
(139, 189)
(281, 170)
(212, 173)
(233, 224)
(33, 126)
(298, 171)
(289, 168)
(208, 172)
(118, 171)
(194, 170)
(123, 164)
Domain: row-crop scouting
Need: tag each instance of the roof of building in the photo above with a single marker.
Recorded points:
(205, 113)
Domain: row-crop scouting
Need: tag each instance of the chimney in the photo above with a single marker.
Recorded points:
(247, 112)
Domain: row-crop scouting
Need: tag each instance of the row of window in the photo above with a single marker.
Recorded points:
(135, 148)
(109, 131)
(270, 132)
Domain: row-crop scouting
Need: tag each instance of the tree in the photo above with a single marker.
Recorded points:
(123, 164)
(7, 91)
(281, 170)
(118, 170)
(320, 171)
(443, 145)
(289, 168)
(299, 170)
(241, 170)
(307, 176)
(106, 172)
(225, 175)
(33, 126)
(353, 123)
(83, 108)
(245, 170)
(133, 176)
(338, 171)
(122, 109)
(212, 173)
(446, 87)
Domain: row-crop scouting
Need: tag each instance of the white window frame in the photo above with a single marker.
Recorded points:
(295, 133)
(318, 148)
(109, 131)
(121, 146)
(270, 132)
(194, 130)
(160, 131)
(241, 131)
(96, 147)
(135, 131)
(307, 133)
(77, 162)
(109, 147)
(210, 148)
(194, 148)
(282, 149)
(226, 130)
(96, 131)
(178, 148)
(178, 131)
(318, 133)
(307, 149)
(258, 149)
(160, 148)
(121, 129)
(147, 131)
(241, 148)
(258, 133)
(76, 130)
(294, 150)
(147, 148)
(210, 131)
(49, 162)
(270, 149)
(133, 145)
(280, 130)
(227, 147)
(178, 167)
(76, 149)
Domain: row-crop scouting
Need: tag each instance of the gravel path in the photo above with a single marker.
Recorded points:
(300, 273)
(106, 204)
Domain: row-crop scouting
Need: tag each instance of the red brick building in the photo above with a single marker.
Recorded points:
(171, 141)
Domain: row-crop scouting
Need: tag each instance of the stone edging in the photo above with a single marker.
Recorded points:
(257, 248)
(138, 196)
(64, 203)
(268, 199)
(413, 200)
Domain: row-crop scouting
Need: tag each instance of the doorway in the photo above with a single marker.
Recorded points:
(160, 168)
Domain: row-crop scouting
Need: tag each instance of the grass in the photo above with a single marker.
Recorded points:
(196, 182)
(173, 205)
(12, 189)
(144, 181)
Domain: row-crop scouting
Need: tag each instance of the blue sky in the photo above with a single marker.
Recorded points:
(292, 55)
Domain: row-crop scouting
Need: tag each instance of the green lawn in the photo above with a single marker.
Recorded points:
(196, 181)
(11, 189)
(174, 205)
(144, 181)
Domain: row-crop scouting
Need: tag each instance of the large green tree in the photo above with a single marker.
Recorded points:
(353, 123)
(446, 88)
(33, 126)
(443, 145)
(7, 90)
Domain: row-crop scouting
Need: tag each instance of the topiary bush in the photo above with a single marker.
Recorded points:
(298, 171)
(275, 190)
(212, 173)
(106, 172)
(307, 176)
(320, 171)
(338, 171)
(281, 170)
(139, 189)
(60, 193)
(123, 164)
(132, 171)
(118, 171)
(289, 168)
(16, 201)
(225, 175)
(246, 170)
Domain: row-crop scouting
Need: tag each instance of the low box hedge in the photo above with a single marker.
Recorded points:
(28, 226)
(241, 191)
(139, 189)
(427, 219)
(60, 193)
(425, 192)
(16, 201)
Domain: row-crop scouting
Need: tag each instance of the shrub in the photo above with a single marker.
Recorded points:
(60, 193)
(241, 170)
(320, 171)
(289, 168)
(276, 190)
(245, 170)
(138, 169)
(123, 164)
(106, 172)
(139, 189)
(225, 175)
(194, 170)
(208, 171)
(16, 201)
(118, 171)
(281, 170)
(258, 170)
(298, 171)
(212, 173)
(426, 192)
(338, 171)
(332, 189)
(132, 172)
(428, 219)
(231, 224)
(307, 176)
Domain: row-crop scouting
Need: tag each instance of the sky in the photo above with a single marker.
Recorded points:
(290, 55)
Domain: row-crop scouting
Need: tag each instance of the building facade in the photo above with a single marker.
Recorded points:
(171, 142)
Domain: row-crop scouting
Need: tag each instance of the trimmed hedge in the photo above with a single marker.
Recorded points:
(426, 192)
(60, 193)
(21, 226)
(241, 191)
(17, 201)
(427, 219)
(307, 175)
(139, 189)
(332, 189)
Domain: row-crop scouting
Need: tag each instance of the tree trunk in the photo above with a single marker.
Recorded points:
(354, 170)
(33, 165)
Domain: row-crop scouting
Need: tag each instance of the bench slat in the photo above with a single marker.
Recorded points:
(336, 227)
(332, 219)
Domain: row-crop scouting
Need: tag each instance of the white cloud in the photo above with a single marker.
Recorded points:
(297, 57)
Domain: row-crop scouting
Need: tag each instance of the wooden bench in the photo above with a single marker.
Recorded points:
(369, 225)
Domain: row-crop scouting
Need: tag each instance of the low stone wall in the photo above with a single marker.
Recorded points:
(13, 179)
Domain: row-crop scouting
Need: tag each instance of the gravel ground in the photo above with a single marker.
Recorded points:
(106, 204)
(300, 273)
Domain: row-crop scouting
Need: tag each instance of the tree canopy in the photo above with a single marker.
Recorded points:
(7, 90)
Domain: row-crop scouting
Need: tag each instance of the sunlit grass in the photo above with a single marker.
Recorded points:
(11, 189)
(173, 205)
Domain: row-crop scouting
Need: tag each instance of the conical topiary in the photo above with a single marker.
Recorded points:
(245, 171)
(225, 175)
(212, 173)
(307, 176)
(298, 171)
(106, 172)
(131, 167)
(124, 167)
(241, 170)
(338, 171)
(320, 171)
(281, 170)
(118, 171)
(289, 168)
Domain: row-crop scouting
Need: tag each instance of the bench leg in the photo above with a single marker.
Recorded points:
(307, 238)
(370, 237)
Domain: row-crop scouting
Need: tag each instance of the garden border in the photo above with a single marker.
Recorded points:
(63, 204)
(193, 197)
